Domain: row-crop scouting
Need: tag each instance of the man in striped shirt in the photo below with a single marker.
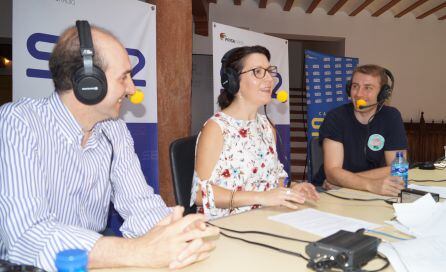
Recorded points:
(63, 161)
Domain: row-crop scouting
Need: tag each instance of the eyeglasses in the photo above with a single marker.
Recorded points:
(260, 72)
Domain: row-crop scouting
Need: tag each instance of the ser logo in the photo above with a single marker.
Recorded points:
(316, 123)
(36, 38)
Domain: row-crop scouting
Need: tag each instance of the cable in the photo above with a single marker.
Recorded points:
(266, 246)
(379, 107)
(297, 254)
(261, 233)
(379, 256)
(388, 201)
(385, 234)
(427, 180)
(281, 147)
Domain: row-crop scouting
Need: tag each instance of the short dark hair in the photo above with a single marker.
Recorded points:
(236, 61)
(373, 70)
(66, 59)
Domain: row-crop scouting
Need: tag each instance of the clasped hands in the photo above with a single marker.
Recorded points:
(177, 241)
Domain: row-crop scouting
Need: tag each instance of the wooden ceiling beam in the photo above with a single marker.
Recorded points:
(237, 2)
(429, 12)
(200, 13)
(262, 3)
(313, 5)
(385, 8)
(410, 8)
(361, 7)
(288, 5)
(337, 7)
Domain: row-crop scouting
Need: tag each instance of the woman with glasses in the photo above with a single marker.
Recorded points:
(236, 163)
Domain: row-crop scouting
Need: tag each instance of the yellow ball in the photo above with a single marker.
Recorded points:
(282, 96)
(137, 97)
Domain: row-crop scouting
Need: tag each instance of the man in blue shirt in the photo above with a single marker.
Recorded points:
(65, 157)
(360, 142)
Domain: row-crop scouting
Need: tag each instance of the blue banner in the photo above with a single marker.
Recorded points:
(145, 138)
(325, 78)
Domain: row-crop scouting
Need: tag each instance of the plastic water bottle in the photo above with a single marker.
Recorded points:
(72, 260)
(400, 167)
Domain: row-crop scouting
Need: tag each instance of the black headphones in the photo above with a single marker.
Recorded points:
(89, 81)
(229, 77)
(384, 93)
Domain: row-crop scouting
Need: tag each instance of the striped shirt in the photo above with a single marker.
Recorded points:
(54, 193)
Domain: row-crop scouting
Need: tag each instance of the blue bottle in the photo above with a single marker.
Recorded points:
(72, 260)
(400, 167)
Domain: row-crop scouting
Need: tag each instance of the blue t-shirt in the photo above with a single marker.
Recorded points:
(364, 145)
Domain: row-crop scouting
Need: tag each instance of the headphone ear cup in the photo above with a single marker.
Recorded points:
(348, 87)
(384, 93)
(230, 80)
(89, 88)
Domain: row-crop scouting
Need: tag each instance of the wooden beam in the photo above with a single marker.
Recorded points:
(429, 12)
(237, 2)
(313, 5)
(288, 5)
(410, 8)
(262, 3)
(385, 8)
(336, 7)
(200, 13)
(173, 54)
(361, 7)
(442, 17)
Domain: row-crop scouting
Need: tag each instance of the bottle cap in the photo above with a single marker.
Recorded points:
(68, 260)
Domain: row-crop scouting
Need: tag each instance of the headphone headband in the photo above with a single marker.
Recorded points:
(389, 75)
(89, 81)
(85, 44)
(229, 77)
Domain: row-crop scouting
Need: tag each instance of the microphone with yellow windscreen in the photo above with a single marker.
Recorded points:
(137, 97)
(282, 96)
(360, 103)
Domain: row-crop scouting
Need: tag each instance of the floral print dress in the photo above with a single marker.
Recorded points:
(247, 162)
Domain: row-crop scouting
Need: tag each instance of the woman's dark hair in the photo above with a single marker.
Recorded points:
(235, 59)
(66, 59)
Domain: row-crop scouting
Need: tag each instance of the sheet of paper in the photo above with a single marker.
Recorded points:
(421, 218)
(431, 189)
(417, 255)
(321, 223)
(417, 212)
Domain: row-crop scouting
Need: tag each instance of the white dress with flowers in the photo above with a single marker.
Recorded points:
(247, 162)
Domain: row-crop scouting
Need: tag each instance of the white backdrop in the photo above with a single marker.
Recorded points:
(225, 38)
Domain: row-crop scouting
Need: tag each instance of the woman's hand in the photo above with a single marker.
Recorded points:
(306, 189)
(282, 197)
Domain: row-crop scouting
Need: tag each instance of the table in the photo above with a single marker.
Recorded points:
(233, 255)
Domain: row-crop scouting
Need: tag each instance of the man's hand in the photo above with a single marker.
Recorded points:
(329, 186)
(389, 186)
(176, 241)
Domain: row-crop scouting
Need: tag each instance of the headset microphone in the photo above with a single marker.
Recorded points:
(362, 104)
(361, 107)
